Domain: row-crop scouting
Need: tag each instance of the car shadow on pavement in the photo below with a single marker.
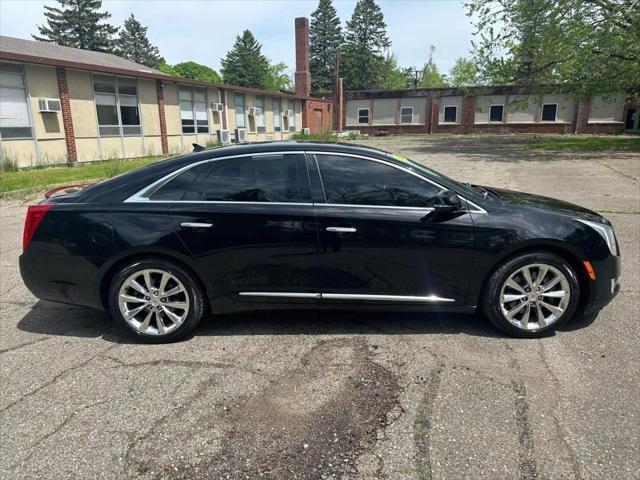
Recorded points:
(47, 318)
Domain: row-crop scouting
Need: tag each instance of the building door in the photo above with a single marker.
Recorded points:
(632, 122)
(317, 123)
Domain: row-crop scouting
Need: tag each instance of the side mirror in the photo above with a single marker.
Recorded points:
(448, 202)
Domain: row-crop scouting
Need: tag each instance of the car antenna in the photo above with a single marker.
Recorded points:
(197, 147)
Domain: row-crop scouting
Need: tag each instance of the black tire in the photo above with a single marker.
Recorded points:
(491, 297)
(197, 305)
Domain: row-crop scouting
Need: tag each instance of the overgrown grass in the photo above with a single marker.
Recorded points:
(40, 178)
(587, 143)
(323, 137)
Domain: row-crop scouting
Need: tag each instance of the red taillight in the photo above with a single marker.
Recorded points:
(35, 214)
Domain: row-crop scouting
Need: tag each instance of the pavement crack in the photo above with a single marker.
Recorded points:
(26, 344)
(560, 431)
(526, 453)
(422, 424)
(55, 378)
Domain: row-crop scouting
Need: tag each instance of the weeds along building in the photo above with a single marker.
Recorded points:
(61, 104)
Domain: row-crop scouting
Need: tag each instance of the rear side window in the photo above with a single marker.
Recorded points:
(181, 186)
(261, 178)
(357, 181)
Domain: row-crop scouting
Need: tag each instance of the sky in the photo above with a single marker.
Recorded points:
(204, 30)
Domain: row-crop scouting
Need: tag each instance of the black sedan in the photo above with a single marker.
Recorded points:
(298, 225)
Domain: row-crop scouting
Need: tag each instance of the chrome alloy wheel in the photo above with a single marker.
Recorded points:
(154, 302)
(535, 296)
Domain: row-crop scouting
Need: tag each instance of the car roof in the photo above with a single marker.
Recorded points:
(278, 146)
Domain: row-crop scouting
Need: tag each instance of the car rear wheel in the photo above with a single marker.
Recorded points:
(531, 294)
(156, 301)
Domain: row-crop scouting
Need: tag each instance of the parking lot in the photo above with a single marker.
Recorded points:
(313, 395)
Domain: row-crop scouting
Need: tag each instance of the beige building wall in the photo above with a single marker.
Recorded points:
(384, 111)
(450, 101)
(483, 106)
(566, 107)
(523, 109)
(23, 152)
(83, 107)
(43, 83)
(607, 109)
(351, 110)
(149, 114)
(419, 105)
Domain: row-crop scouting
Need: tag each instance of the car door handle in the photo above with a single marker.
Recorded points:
(196, 225)
(342, 229)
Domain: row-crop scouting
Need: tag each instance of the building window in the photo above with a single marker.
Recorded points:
(450, 114)
(277, 119)
(193, 110)
(117, 105)
(406, 115)
(260, 128)
(549, 111)
(292, 115)
(363, 115)
(238, 102)
(495, 113)
(15, 120)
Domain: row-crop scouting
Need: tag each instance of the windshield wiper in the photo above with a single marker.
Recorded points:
(483, 191)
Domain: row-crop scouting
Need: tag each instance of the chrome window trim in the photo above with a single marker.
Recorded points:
(139, 197)
(350, 296)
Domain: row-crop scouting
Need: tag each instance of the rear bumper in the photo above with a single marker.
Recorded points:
(60, 277)
(606, 286)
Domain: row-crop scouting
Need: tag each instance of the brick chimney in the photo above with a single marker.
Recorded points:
(303, 76)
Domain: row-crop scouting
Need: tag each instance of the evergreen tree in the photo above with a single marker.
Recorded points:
(325, 42)
(197, 71)
(245, 65)
(365, 42)
(392, 77)
(134, 45)
(79, 24)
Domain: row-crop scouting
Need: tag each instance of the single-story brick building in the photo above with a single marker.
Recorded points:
(486, 109)
(60, 104)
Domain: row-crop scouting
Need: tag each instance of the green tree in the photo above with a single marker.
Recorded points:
(79, 24)
(134, 45)
(464, 73)
(245, 65)
(581, 46)
(365, 43)
(392, 77)
(164, 67)
(325, 42)
(277, 78)
(431, 77)
(197, 71)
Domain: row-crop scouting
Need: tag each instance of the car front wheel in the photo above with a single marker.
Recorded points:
(531, 294)
(156, 301)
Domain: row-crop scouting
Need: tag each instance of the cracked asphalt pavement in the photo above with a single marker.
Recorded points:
(312, 395)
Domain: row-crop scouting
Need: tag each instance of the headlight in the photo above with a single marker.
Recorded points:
(606, 232)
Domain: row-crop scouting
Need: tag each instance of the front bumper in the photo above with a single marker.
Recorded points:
(607, 284)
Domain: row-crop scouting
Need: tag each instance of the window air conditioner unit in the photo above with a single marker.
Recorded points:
(217, 107)
(306, 131)
(254, 111)
(241, 135)
(49, 105)
(224, 137)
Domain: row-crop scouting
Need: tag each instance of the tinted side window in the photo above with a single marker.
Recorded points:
(263, 178)
(355, 181)
(178, 187)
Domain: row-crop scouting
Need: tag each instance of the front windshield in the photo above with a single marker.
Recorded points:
(466, 189)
